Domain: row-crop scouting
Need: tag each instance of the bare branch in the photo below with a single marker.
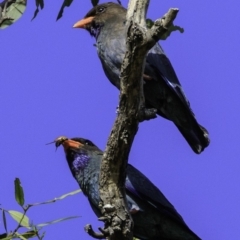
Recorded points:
(118, 221)
(137, 9)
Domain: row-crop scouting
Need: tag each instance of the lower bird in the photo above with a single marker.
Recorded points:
(154, 216)
(162, 89)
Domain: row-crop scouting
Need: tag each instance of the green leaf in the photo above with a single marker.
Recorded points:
(20, 236)
(95, 2)
(4, 220)
(119, 2)
(38, 3)
(56, 221)
(171, 29)
(13, 12)
(35, 13)
(19, 194)
(24, 236)
(20, 218)
(29, 234)
(66, 3)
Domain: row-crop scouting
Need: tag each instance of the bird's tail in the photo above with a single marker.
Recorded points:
(197, 137)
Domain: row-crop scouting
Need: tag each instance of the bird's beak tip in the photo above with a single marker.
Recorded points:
(82, 23)
(79, 24)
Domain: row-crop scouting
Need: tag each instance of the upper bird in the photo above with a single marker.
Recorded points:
(154, 216)
(162, 89)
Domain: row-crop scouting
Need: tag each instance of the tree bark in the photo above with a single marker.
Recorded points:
(139, 39)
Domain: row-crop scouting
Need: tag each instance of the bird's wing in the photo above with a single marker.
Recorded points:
(140, 186)
(161, 65)
(111, 53)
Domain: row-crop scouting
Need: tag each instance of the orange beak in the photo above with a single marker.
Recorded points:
(83, 22)
(71, 144)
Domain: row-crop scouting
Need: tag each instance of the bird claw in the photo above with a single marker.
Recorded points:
(104, 231)
(147, 114)
(88, 228)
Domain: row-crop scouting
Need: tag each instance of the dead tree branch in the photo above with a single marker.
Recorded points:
(118, 221)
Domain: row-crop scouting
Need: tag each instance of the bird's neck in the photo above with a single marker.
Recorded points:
(95, 30)
(77, 161)
(83, 167)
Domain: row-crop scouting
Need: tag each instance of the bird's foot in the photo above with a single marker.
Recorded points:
(98, 235)
(111, 224)
(147, 114)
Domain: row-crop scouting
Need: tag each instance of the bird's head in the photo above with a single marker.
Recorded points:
(74, 143)
(79, 152)
(98, 16)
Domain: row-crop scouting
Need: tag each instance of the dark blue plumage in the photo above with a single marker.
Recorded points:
(162, 89)
(154, 216)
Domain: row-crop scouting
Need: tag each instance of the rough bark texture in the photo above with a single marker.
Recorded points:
(118, 221)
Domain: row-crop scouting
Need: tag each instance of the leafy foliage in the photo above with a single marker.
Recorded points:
(39, 3)
(22, 219)
(119, 2)
(66, 3)
(4, 220)
(19, 194)
(11, 11)
(94, 2)
(19, 217)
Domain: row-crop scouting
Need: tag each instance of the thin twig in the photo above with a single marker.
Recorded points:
(25, 209)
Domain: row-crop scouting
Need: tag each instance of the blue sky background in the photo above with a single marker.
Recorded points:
(52, 84)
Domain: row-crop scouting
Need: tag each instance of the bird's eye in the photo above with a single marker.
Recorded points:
(101, 9)
(89, 143)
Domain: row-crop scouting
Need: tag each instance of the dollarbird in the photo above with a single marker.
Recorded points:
(154, 216)
(162, 89)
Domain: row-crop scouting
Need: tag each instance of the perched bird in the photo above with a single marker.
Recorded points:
(154, 216)
(162, 89)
